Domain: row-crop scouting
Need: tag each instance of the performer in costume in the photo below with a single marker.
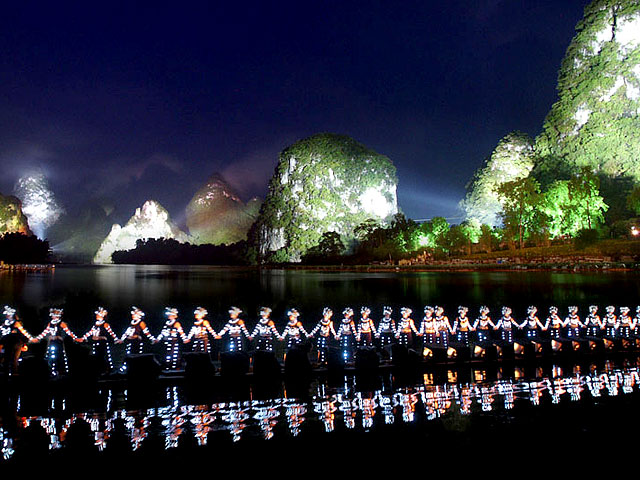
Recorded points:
(625, 323)
(324, 329)
(200, 331)
(55, 333)
(265, 331)
(428, 327)
(386, 328)
(554, 323)
(573, 323)
(462, 326)
(98, 336)
(236, 329)
(593, 323)
(406, 328)
(172, 335)
(12, 335)
(133, 337)
(610, 322)
(366, 328)
(346, 335)
(532, 324)
(443, 327)
(483, 325)
(294, 330)
(506, 325)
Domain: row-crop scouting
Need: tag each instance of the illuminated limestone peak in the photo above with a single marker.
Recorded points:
(149, 221)
(38, 202)
(217, 215)
(512, 159)
(12, 218)
(596, 120)
(326, 182)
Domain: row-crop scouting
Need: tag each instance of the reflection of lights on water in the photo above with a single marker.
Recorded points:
(353, 408)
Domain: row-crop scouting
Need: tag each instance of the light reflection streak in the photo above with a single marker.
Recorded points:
(345, 408)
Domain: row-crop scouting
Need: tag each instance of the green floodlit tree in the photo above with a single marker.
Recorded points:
(521, 212)
(430, 234)
(512, 159)
(574, 205)
(595, 122)
(633, 200)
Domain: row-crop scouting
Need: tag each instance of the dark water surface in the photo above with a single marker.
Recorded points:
(446, 410)
(79, 290)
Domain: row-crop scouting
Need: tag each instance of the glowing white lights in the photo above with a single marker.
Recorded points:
(38, 202)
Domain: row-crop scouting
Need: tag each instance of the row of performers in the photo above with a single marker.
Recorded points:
(435, 329)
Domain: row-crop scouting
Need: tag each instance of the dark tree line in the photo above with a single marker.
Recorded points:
(18, 248)
(163, 251)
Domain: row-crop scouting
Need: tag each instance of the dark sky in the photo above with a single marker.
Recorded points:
(134, 102)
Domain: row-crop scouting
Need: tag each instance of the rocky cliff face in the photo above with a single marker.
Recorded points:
(595, 121)
(149, 221)
(39, 203)
(512, 159)
(217, 215)
(323, 183)
(12, 219)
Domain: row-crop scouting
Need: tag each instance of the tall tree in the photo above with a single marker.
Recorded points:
(521, 212)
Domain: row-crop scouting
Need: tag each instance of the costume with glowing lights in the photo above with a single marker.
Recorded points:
(55, 333)
(294, 330)
(325, 330)
(346, 334)
(406, 328)
(506, 325)
(200, 331)
(136, 332)
(573, 323)
(554, 323)
(236, 329)
(462, 326)
(265, 331)
(483, 325)
(625, 323)
(610, 321)
(386, 328)
(366, 328)
(172, 336)
(593, 323)
(12, 335)
(532, 324)
(443, 327)
(99, 336)
(428, 328)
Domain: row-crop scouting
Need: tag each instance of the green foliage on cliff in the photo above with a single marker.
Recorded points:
(11, 217)
(595, 121)
(318, 186)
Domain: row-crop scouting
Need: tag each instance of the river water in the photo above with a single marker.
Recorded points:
(453, 402)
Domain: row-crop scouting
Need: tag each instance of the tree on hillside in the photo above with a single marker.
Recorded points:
(521, 213)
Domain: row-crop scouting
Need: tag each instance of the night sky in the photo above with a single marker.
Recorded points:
(127, 103)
